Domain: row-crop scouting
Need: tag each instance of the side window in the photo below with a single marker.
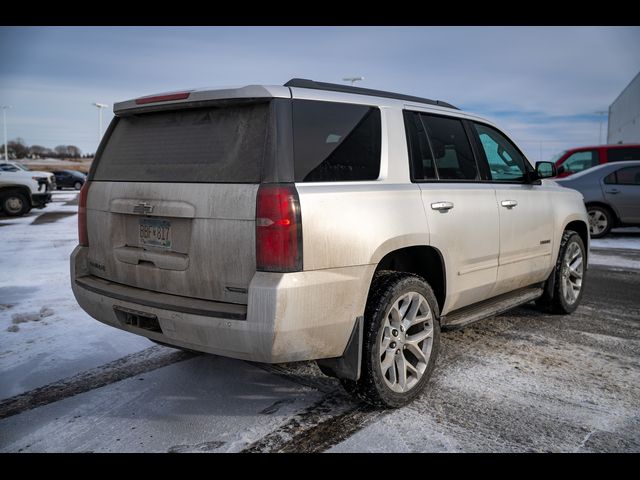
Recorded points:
(506, 163)
(580, 161)
(627, 176)
(622, 154)
(610, 179)
(419, 150)
(5, 167)
(335, 142)
(451, 148)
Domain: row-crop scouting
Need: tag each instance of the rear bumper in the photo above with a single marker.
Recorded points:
(289, 317)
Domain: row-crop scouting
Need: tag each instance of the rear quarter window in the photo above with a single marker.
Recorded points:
(628, 176)
(335, 142)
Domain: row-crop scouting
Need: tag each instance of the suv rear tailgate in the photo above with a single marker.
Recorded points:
(212, 235)
(171, 203)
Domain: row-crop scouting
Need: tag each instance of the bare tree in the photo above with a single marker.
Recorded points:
(74, 152)
(61, 151)
(37, 151)
(18, 148)
(68, 151)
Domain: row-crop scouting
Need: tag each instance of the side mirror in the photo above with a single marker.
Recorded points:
(561, 169)
(546, 169)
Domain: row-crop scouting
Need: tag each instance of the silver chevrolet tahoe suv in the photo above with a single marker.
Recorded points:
(315, 221)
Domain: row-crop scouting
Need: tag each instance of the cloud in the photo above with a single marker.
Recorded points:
(542, 83)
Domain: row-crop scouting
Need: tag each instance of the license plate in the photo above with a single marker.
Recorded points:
(155, 232)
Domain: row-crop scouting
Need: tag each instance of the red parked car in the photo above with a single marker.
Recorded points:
(579, 159)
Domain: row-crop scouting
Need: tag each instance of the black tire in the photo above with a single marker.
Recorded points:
(603, 212)
(553, 300)
(77, 185)
(58, 188)
(15, 204)
(386, 289)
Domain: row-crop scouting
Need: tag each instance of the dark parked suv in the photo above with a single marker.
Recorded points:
(69, 179)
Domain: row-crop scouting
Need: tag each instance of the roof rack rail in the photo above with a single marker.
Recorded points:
(335, 87)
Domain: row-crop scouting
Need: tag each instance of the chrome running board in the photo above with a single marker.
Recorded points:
(489, 308)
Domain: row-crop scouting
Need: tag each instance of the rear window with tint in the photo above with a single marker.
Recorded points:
(335, 142)
(625, 176)
(223, 144)
(623, 154)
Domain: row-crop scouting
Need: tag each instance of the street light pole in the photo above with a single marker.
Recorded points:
(100, 107)
(4, 124)
(601, 112)
(352, 79)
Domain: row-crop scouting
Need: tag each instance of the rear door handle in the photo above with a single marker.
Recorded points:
(442, 206)
(508, 203)
(613, 191)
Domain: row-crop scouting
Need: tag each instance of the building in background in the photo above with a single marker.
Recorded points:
(624, 115)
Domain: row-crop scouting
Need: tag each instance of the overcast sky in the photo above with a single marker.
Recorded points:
(542, 85)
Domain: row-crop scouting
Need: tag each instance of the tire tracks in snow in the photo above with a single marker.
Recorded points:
(317, 428)
(329, 421)
(129, 366)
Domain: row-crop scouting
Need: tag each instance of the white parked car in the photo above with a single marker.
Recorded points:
(314, 221)
(21, 190)
(12, 166)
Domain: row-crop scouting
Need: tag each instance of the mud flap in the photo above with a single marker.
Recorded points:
(348, 365)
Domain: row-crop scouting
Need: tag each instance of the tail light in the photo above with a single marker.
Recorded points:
(83, 236)
(278, 229)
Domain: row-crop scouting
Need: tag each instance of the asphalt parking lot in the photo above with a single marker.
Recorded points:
(522, 381)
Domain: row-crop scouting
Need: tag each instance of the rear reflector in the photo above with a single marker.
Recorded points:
(163, 98)
(83, 236)
(278, 229)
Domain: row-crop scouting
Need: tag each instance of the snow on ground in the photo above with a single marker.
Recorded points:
(204, 404)
(620, 249)
(622, 261)
(44, 335)
(619, 238)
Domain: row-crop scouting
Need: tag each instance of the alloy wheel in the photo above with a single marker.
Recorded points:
(598, 222)
(572, 273)
(406, 341)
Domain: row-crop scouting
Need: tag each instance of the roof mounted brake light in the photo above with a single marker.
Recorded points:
(163, 98)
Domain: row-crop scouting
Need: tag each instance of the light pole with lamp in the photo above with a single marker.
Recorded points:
(603, 113)
(4, 124)
(100, 107)
(352, 79)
